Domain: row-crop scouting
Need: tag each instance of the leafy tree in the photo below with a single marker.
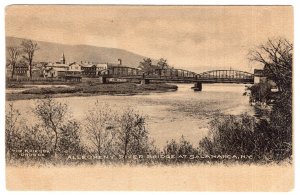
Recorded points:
(132, 134)
(162, 64)
(146, 65)
(69, 139)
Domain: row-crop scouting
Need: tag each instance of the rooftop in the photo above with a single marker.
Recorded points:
(259, 72)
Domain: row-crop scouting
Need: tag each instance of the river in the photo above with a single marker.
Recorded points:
(169, 115)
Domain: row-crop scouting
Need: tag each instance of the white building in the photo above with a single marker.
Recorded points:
(57, 69)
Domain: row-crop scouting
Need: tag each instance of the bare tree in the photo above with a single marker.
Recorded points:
(14, 53)
(29, 47)
(277, 57)
(52, 114)
(101, 128)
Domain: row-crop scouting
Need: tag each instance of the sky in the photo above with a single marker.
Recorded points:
(196, 38)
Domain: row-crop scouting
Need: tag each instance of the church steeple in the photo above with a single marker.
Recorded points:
(63, 59)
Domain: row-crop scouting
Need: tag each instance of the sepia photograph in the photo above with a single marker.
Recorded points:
(141, 97)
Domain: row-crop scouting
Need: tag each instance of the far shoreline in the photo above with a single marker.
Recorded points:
(85, 90)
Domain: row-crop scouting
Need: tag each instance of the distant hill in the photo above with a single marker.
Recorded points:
(52, 52)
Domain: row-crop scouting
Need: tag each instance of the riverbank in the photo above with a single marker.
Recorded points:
(85, 89)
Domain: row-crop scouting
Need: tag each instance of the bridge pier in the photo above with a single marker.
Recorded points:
(103, 79)
(198, 86)
(145, 81)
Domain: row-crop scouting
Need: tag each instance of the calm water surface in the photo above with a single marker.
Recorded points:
(169, 115)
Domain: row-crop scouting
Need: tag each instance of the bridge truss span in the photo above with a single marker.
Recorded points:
(226, 76)
(172, 74)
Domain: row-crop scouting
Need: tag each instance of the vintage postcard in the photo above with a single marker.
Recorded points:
(152, 98)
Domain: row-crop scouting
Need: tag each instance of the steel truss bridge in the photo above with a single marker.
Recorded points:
(180, 75)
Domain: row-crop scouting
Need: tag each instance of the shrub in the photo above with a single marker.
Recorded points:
(260, 92)
(274, 137)
(69, 142)
(230, 135)
(12, 131)
(180, 149)
(36, 138)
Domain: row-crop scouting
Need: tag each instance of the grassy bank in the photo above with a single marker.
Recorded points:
(85, 89)
(20, 84)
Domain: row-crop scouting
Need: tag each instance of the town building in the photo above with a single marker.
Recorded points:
(93, 69)
(88, 70)
(57, 69)
(21, 70)
(74, 69)
(259, 76)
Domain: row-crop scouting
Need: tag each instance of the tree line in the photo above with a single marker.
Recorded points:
(147, 65)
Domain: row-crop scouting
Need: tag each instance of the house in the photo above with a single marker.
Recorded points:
(36, 72)
(57, 69)
(21, 70)
(74, 67)
(118, 69)
(73, 72)
(100, 67)
(89, 70)
(93, 69)
(54, 72)
(259, 76)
